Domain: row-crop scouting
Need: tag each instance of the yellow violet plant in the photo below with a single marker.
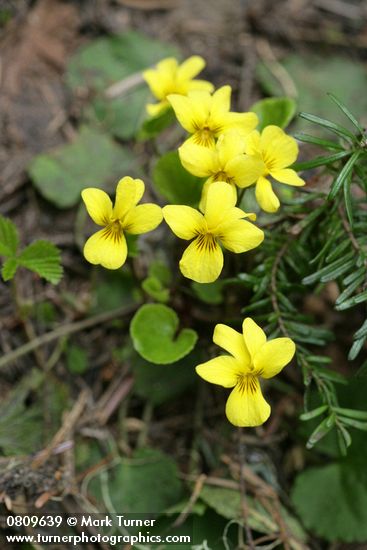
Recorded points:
(170, 77)
(226, 150)
(221, 221)
(108, 246)
(226, 162)
(206, 116)
(277, 151)
(250, 358)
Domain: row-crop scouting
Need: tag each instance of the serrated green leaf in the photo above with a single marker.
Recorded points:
(174, 183)
(93, 159)
(43, 258)
(9, 268)
(274, 110)
(332, 501)
(9, 238)
(154, 334)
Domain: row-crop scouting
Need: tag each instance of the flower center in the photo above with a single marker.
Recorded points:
(204, 137)
(113, 231)
(223, 176)
(269, 163)
(247, 383)
(206, 242)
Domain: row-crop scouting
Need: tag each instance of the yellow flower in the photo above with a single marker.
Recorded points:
(108, 246)
(226, 162)
(171, 78)
(206, 116)
(251, 357)
(202, 260)
(277, 150)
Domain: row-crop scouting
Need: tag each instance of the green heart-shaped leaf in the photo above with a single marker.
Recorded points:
(154, 334)
(275, 110)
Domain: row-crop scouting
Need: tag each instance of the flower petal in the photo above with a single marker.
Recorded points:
(155, 109)
(220, 198)
(253, 143)
(243, 123)
(190, 67)
(199, 161)
(245, 170)
(142, 218)
(106, 248)
(129, 191)
(221, 101)
(202, 260)
(287, 176)
(246, 406)
(185, 222)
(204, 193)
(273, 356)
(253, 335)
(280, 152)
(230, 145)
(233, 342)
(239, 235)
(99, 205)
(222, 370)
(191, 111)
(198, 84)
(158, 78)
(270, 134)
(265, 195)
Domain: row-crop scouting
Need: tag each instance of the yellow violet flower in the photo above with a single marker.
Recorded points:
(251, 357)
(206, 115)
(277, 151)
(226, 162)
(202, 261)
(108, 246)
(171, 78)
